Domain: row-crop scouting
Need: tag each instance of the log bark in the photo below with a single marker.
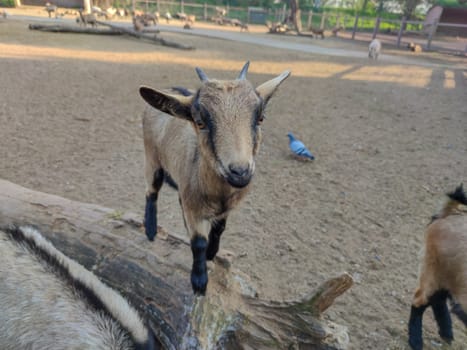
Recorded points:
(154, 276)
(114, 30)
(142, 35)
(62, 28)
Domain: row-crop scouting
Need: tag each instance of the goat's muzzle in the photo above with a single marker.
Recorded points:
(239, 176)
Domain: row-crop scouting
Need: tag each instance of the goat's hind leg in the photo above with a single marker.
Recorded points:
(217, 228)
(415, 327)
(439, 305)
(460, 313)
(458, 306)
(155, 178)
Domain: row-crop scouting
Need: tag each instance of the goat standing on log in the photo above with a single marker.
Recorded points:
(443, 272)
(207, 152)
(50, 302)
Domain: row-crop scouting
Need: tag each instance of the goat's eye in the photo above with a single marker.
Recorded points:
(200, 124)
(260, 119)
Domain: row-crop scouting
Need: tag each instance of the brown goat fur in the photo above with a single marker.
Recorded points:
(444, 260)
(207, 151)
(443, 272)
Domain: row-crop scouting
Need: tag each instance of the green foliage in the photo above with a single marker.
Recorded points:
(452, 3)
(7, 3)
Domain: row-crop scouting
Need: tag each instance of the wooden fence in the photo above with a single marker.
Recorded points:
(423, 32)
(397, 28)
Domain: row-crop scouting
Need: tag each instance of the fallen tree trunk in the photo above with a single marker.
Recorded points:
(62, 28)
(142, 35)
(114, 30)
(154, 276)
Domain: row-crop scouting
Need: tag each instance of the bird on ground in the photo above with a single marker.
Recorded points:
(299, 149)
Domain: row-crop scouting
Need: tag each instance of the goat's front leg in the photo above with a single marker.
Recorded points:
(154, 179)
(198, 230)
(217, 228)
(442, 315)
(199, 271)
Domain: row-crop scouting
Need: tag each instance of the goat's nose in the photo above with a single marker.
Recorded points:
(239, 176)
(239, 171)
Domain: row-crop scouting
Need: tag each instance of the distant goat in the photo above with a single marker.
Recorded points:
(85, 19)
(244, 27)
(148, 18)
(336, 30)
(138, 25)
(207, 151)
(414, 47)
(50, 302)
(51, 8)
(443, 272)
(374, 49)
(167, 17)
(318, 31)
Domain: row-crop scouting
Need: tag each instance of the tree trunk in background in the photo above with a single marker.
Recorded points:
(87, 6)
(295, 15)
(155, 277)
(364, 5)
(409, 8)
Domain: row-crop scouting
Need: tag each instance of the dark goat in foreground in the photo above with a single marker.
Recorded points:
(443, 273)
(203, 143)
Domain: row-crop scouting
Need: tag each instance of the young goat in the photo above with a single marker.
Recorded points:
(207, 151)
(50, 302)
(443, 272)
(86, 18)
(51, 8)
(318, 31)
(374, 49)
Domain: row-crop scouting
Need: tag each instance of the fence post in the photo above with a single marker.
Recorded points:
(355, 25)
(323, 18)
(432, 34)
(309, 22)
(158, 6)
(376, 29)
(182, 5)
(205, 11)
(401, 29)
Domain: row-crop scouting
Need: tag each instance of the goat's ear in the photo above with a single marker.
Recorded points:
(267, 89)
(176, 105)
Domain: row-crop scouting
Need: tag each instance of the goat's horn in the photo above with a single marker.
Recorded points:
(202, 76)
(242, 74)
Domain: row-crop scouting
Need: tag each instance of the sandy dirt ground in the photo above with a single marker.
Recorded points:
(389, 140)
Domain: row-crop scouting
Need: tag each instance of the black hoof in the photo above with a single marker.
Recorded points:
(150, 228)
(199, 283)
(416, 344)
(448, 337)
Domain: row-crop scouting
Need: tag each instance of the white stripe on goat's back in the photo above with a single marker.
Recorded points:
(41, 309)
